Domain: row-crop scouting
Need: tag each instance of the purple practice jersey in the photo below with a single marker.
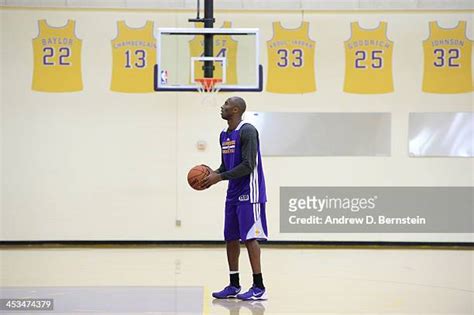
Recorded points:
(248, 188)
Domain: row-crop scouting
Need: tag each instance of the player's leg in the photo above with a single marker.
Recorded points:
(253, 227)
(253, 249)
(231, 236)
(233, 253)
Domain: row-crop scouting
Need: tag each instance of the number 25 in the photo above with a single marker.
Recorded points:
(377, 60)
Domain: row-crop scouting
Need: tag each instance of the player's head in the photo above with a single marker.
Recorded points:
(233, 107)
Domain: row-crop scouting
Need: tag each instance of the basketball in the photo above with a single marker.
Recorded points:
(196, 175)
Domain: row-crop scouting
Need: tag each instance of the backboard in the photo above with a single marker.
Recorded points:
(180, 59)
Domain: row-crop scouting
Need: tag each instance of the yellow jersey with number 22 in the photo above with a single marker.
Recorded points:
(57, 59)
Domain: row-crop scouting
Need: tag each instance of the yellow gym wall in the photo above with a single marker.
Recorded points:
(100, 165)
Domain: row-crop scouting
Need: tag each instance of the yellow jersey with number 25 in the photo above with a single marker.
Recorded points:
(368, 61)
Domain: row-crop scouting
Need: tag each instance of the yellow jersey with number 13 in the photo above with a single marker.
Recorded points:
(447, 60)
(134, 56)
(368, 61)
(57, 59)
(291, 60)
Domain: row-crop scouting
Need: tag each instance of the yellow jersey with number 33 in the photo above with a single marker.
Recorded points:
(368, 61)
(224, 47)
(447, 60)
(291, 60)
(134, 57)
(57, 59)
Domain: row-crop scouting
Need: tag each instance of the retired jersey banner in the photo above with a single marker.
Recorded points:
(291, 60)
(57, 58)
(376, 209)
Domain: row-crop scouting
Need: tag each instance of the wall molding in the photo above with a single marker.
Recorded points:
(264, 5)
(211, 243)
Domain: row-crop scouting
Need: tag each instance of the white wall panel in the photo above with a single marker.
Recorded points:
(97, 3)
(323, 134)
(441, 134)
(388, 4)
(218, 5)
(329, 5)
(153, 4)
(274, 5)
(100, 165)
(445, 4)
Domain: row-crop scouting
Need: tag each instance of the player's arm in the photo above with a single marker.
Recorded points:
(221, 169)
(249, 145)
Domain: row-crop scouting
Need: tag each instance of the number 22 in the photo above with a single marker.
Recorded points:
(64, 52)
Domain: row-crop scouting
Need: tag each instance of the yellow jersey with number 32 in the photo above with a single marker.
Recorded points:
(134, 57)
(224, 47)
(447, 60)
(291, 60)
(57, 59)
(368, 61)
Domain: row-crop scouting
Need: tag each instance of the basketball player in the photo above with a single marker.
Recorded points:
(245, 217)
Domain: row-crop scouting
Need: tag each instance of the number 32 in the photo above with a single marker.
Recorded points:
(452, 56)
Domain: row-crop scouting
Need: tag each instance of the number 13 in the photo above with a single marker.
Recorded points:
(141, 56)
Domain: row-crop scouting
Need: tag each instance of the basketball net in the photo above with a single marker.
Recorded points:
(208, 88)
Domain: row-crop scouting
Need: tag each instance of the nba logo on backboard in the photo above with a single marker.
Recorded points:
(164, 76)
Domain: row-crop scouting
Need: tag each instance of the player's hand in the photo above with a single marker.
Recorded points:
(211, 179)
(210, 169)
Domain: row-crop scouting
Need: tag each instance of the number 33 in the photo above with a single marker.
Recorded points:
(284, 58)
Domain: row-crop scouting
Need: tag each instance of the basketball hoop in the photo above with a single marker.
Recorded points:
(208, 87)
